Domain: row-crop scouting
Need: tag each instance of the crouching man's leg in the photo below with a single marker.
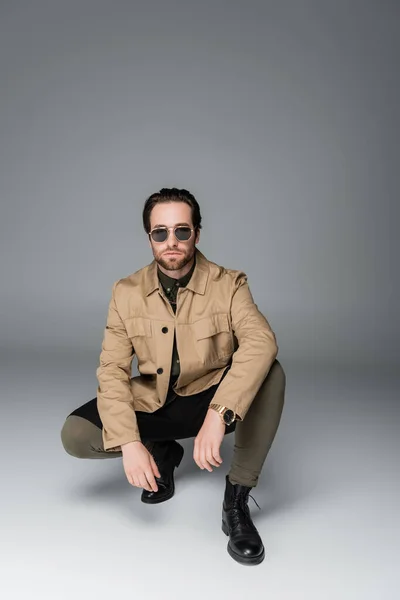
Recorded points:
(253, 439)
(255, 434)
(81, 434)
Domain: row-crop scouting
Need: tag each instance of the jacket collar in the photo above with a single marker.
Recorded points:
(197, 283)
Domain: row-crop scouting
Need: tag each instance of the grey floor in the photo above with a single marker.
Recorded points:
(329, 498)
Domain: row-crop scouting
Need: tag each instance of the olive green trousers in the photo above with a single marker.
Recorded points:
(182, 417)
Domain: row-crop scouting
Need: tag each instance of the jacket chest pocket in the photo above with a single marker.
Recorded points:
(139, 330)
(213, 338)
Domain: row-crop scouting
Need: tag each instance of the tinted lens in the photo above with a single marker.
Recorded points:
(183, 233)
(159, 235)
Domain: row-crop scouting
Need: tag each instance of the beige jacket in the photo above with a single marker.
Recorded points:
(216, 322)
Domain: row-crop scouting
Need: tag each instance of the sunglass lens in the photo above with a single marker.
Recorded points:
(183, 233)
(159, 235)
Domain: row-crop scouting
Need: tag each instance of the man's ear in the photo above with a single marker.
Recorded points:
(197, 237)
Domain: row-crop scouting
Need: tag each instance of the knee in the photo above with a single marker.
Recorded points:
(272, 390)
(74, 437)
(278, 375)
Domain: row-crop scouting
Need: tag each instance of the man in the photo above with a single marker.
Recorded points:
(207, 366)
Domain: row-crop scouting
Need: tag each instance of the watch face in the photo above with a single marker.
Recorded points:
(229, 416)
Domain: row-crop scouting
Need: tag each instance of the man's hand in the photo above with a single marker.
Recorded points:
(208, 441)
(139, 465)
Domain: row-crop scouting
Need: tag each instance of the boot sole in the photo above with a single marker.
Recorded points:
(251, 560)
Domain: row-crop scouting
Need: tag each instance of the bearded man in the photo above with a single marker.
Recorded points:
(207, 367)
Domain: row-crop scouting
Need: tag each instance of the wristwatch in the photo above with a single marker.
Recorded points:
(227, 415)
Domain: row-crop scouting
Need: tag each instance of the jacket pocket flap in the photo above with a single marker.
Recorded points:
(210, 326)
(138, 326)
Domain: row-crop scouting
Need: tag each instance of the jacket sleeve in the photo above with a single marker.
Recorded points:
(256, 352)
(114, 395)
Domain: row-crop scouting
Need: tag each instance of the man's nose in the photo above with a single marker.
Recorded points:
(172, 241)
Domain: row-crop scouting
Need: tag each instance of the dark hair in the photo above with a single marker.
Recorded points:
(171, 195)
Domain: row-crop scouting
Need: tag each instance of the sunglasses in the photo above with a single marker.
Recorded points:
(160, 234)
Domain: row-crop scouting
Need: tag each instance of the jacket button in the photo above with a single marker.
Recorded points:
(160, 371)
(164, 329)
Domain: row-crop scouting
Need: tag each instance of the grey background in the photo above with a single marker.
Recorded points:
(282, 119)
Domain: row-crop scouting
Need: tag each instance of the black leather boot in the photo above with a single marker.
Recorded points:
(167, 456)
(245, 545)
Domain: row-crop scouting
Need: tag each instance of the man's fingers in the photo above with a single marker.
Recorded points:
(203, 456)
(217, 456)
(204, 461)
(151, 480)
(144, 483)
(211, 459)
(144, 480)
(196, 455)
(154, 466)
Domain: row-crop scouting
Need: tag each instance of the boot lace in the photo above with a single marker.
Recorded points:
(241, 513)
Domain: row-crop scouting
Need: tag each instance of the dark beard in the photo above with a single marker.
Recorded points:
(178, 264)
